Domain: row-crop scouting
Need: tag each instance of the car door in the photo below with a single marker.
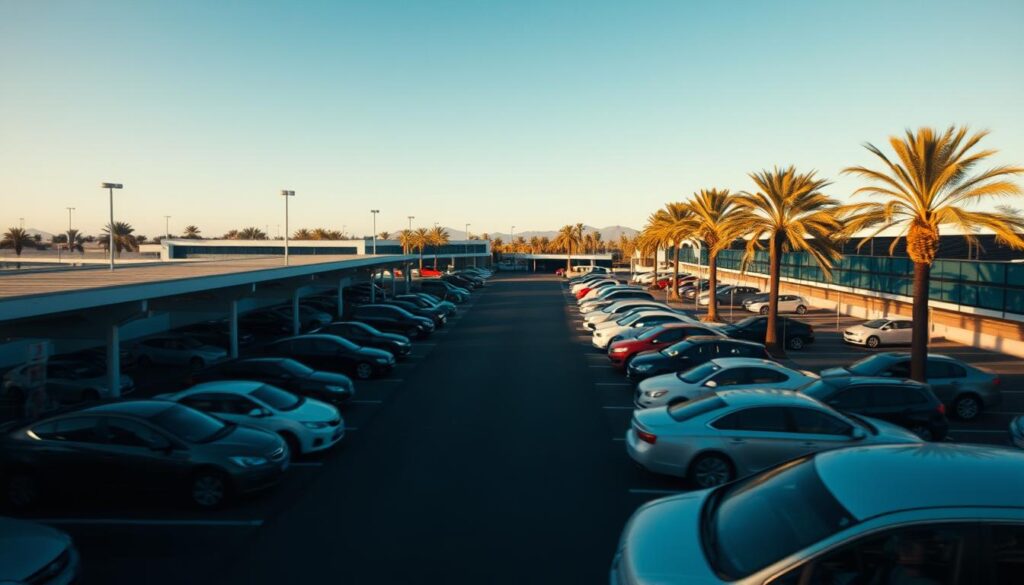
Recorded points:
(850, 399)
(693, 356)
(68, 451)
(903, 332)
(945, 378)
(754, 331)
(139, 456)
(815, 430)
(757, 437)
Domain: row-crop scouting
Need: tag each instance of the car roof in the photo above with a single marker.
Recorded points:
(232, 386)
(142, 408)
(766, 397)
(746, 362)
(873, 480)
(906, 355)
(843, 381)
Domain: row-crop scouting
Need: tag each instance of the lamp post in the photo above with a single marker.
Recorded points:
(411, 217)
(110, 187)
(467, 244)
(167, 227)
(286, 194)
(374, 212)
(70, 209)
(511, 245)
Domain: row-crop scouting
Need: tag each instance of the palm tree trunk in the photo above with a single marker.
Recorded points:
(674, 294)
(421, 259)
(771, 340)
(712, 284)
(919, 334)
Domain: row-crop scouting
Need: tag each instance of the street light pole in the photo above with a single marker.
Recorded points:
(467, 245)
(374, 212)
(167, 227)
(286, 194)
(70, 209)
(511, 244)
(110, 228)
(411, 217)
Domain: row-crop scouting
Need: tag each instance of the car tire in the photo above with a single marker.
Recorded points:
(196, 363)
(294, 447)
(763, 311)
(364, 370)
(923, 431)
(22, 490)
(796, 342)
(209, 488)
(801, 310)
(967, 407)
(710, 470)
(873, 342)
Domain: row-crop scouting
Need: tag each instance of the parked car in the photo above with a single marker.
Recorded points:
(265, 322)
(582, 292)
(787, 304)
(907, 403)
(640, 320)
(393, 319)
(689, 291)
(150, 445)
(444, 290)
(731, 295)
(436, 314)
(880, 514)
(364, 292)
(428, 301)
(177, 350)
(367, 336)
(332, 353)
(215, 333)
(98, 356)
(306, 425)
(794, 334)
(689, 353)
(600, 294)
(330, 387)
(623, 294)
(36, 554)
(715, 375)
(68, 381)
(965, 389)
(730, 434)
(621, 353)
(618, 309)
(879, 332)
(462, 280)
(309, 318)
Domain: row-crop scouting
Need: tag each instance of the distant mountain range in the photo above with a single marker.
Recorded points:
(607, 233)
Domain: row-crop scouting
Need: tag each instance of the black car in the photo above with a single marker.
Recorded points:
(436, 314)
(285, 373)
(906, 403)
(363, 292)
(426, 300)
(476, 279)
(794, 334)
(332, 353)
(393, 320)
(124, 447)
(690, 352)
(689, 291)
(444, 290)
(367, 336)
(462, 281)
(216, 333)
(736, 295)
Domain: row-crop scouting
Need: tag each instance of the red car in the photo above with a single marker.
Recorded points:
(430, 273)
(560, 272)
(662, 336)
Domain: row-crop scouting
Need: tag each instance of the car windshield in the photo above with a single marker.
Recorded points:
(650, 333)
(628, 319)
(876, 324)
(276, 398)
(757, 521)
(698, 373)
(189, 424)
(869, 365)
(296, 369)
(676, 349)
(688, 409)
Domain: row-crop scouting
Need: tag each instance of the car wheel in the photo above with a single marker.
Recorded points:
(873, 342)
(293, 444)
(711, 470)
(23, 490)
(967, 407)
(801, 310)
(764, 310)
(796, 342)
(90, 395)
(209, 489)
(364, 371)
(923, 431)
(196, 363)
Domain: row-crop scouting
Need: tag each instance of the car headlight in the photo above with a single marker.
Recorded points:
(619, 349)
(245, 461)
(315, 425)
(338, 389)
(382, 360)
(655, 393)
(643, 367)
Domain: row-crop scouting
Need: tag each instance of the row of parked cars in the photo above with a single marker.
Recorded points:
(750, 298)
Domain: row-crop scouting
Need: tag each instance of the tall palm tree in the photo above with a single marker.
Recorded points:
(568, 241)
(438, 236)
(252, 233)
(405, 237)
(420, 240)
(124, 238)
(384, 235)
(535, 246)
(544, 245)
(790, 211)
(75, 241)
(715, 220)
(230, 235)
(17, 238)
(928, 185)
(670, 227)
(302, 234)
(192, 233)
(497, 247)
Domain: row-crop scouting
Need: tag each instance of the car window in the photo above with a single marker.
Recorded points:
(930, 555)
(129, 433)
(235, 404)
(765, 376)
(814, 422)
(899, 369)
(731, 377)
(203, 401)
(887, 396)
(697, 352)
(726, 349)
(854, 398)
(913, 396)
(78, 429)
(761, 418)
(276, 398)
(944, 369)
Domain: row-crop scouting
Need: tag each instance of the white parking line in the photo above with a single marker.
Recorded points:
(619, 407)
(655, 492)
(147, 522)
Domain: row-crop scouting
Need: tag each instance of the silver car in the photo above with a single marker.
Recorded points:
(67, 380)
(177, 351)
(963, 388)
(730, 434)
(879, 332)
(718, 374)
(925, 514)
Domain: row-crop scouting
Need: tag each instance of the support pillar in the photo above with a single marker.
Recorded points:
(114, 360)
(341, 298)
(296, 326)
(373, 286)
(394, 283)
(233, 328)
(408, 277)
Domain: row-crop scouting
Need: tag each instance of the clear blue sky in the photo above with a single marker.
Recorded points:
(533, 113)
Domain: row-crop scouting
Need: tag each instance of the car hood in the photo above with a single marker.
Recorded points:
(314, 411)
(661, 543)
(330, 378)
(26, 547)
(833, 372)
(859, 329)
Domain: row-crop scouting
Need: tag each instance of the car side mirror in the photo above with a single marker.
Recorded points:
(858, 434)
(711, 384)
(886, 328)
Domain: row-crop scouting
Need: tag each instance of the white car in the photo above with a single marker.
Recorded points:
(590, 283)
(619, 308)
(880, 332)
(600, 293)
(718, 374)
(598, 287)
(307, 425)
(177, 351)
(640, 320)
(67, 381)
(787, 304)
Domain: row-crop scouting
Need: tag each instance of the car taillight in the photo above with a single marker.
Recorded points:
(942, 409)
(646, 437)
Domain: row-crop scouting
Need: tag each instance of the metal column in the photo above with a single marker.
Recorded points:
(114, 360)
(341, 299)
(394, 283)
(408, 277)
(373, 286)
(233, 328)
(296, 328)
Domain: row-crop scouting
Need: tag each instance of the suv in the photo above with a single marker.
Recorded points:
(794, 334)
(691, 352)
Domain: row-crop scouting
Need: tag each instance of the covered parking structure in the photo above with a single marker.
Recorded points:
(552, 262)
(73, 309)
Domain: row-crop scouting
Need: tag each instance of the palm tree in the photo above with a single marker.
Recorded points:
(497, 247)
(17, 238)
(670, 227)
(302, 234)
(75, 241)
(231, 235)
(929, 184)
(192, 233)
(405, 238)
(535, 246)
(714, 220)
(420, 240)
(384, 235)
(124, 238)
(791, 212)
(252, 233)
(567, 241)
(438, 237)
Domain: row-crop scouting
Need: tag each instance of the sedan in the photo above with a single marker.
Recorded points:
(718, 374)
(306, 425)
(640, 320)
(177, 351)
(309, 318)
(619, 308)
(152, 445)
(582, 292)
(883, 514)
(734, 433)
(36, 554)
(963, 388)
(787, 304)
(880, 332)
(907, 403)
(366, 336)
(576, 286)
(691, 352)
(333, 353)
(622, 352)
(623, 294)
(216, 333)
(731, 295)
(428, 301)
(794, 334)
(444, 291)
(394, 320)
(329, 387)
(67, 381)
(436, 314)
